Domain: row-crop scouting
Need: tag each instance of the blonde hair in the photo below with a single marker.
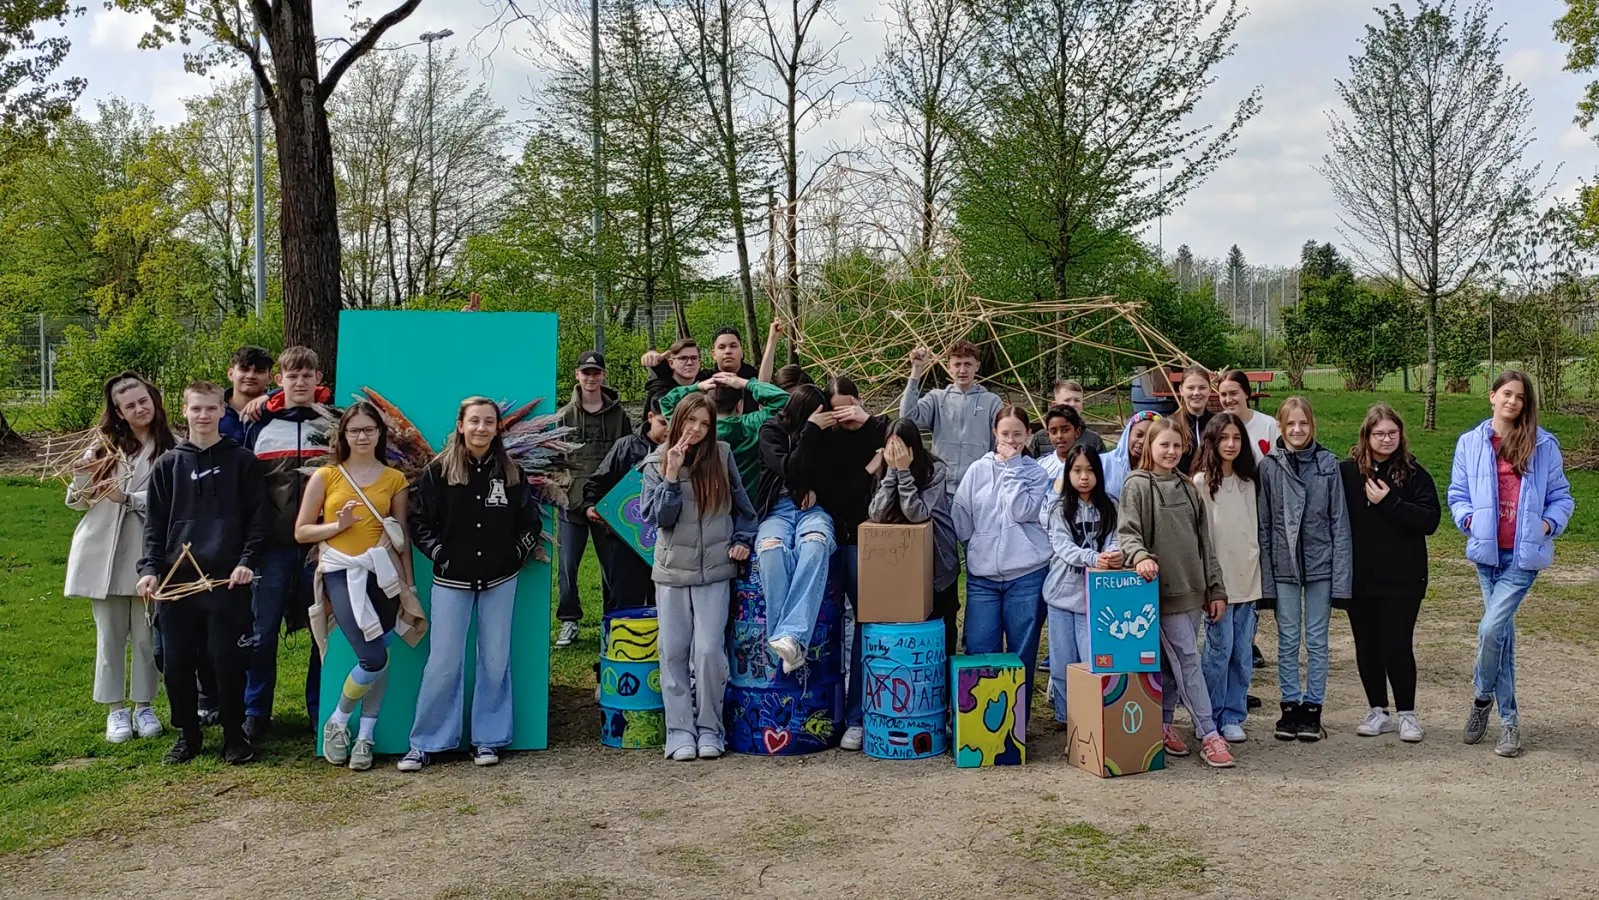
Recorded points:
(1291, 404)
(455, 456)
(1146, 459)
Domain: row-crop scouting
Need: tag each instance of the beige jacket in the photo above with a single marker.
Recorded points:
(411, 625)
(1234, 532)
(109, 539)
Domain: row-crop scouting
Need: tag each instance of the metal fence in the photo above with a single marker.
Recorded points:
(28, 348)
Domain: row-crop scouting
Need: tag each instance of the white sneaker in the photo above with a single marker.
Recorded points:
(1409, 728)
(789, 651)
(568, 634)
(147, 722)
(1376, 722)
(854, 736)
(1233, 734)
(685, 753)
(119, 726)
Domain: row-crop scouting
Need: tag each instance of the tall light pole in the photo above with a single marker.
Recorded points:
(1160, 214)
(260, 199)
(599, 172)
(433, 200)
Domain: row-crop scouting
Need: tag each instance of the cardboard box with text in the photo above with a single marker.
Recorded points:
(1113, 721)
(896, 572)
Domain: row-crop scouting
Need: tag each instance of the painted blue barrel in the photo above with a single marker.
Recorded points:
(752, 664)
(783, 722)
(768, 713)
(905, 689)
(1144, 401)
(632, 715)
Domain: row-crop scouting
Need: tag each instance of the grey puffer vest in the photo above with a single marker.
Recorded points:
(690, 549)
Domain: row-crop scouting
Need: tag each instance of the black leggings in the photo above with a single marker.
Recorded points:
(1385, 631)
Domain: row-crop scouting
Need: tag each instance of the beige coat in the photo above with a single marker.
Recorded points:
(109, 539)
(1234, 527)
(411, 624)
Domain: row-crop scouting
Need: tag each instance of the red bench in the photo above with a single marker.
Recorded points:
(1257, 380)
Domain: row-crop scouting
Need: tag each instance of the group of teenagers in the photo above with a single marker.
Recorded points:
(1231, 511)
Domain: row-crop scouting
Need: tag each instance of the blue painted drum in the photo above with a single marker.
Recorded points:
(630, 685)
(781, 722)
(753, 665)
(630, 635)
(633, 729)
(632, 715)
(905, 690)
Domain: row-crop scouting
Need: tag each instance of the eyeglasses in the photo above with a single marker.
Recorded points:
(361, 432)
(685, 358)
(1385, 435)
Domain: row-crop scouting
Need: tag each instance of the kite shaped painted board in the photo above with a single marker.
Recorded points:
(621, 510)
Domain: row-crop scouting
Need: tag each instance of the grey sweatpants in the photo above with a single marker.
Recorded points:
(693, 627)
(119, 622)
(1180, 671)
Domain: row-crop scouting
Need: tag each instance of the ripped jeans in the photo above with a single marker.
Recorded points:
(794, 547)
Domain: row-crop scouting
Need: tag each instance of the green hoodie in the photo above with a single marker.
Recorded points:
(740, 432)
(1163, 518)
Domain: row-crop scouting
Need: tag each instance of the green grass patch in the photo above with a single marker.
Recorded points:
(1124, 863)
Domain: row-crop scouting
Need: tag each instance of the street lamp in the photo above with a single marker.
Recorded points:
(1160, 213)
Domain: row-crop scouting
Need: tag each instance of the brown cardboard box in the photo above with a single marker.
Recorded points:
(1113, 721)
(896, 572)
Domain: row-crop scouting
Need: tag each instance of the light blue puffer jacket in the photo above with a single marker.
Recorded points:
(1474, 494)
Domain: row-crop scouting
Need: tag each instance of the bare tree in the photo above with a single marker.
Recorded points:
(806, 78)
(1426, 158)
(713, 38)
(924, 83)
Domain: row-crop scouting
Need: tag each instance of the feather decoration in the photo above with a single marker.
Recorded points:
(409, 451)
(541, 447)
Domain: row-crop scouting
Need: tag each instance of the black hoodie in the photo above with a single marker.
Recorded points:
(791, 464)
(213, 499)
(1389, 540)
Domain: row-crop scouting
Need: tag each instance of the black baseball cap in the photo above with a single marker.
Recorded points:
(589, 359)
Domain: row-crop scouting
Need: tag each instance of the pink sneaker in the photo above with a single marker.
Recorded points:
(1213, 750)
(1174, 742)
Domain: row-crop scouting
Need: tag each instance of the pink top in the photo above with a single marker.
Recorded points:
(1509, 499)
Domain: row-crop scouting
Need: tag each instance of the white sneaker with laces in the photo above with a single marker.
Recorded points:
(568, 634)
(119, 726)
(146, 722)
(1409, 728)
(854, 737)
(1377, 722)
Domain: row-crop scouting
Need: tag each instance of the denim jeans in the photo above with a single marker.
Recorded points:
(1303, 611)
(1068, 643)
(1228, 662)
(283, 592)
(437, 726)
(1503, 587)
(1006, 616)
(847, 563)
(794, 546)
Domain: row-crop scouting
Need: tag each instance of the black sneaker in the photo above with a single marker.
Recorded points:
(1310, 722)
(236, 750)
(255, 728)
(209, 718)
(1288, 726)
(1260, 658)
(184, 750)
(1251, 701)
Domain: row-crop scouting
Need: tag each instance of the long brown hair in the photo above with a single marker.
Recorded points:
(455, 458)
(1401, 463)
(1186, 425)
(341, 444)
(712, 491)
(118, 433)
(1208, 459)
(1518, 446)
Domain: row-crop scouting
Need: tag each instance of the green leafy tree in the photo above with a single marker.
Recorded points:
(32, 102)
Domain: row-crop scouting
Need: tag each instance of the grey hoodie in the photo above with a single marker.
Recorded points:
(897, 490)
(1066, 587)
(1163, 518)
(1304, 522)
(962, 423)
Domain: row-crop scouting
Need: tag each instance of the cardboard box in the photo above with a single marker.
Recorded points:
(990, 710)
(1113, 721)
(1123, 621)
(896, 572)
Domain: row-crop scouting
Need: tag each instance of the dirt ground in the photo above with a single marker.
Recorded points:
(1349, 817)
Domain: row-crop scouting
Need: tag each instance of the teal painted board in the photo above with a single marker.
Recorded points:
(426, 363)
(621, 510)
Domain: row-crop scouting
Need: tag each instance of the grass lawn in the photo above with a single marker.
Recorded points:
(61, 779)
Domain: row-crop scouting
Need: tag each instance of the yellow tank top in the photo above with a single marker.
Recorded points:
(367, 532)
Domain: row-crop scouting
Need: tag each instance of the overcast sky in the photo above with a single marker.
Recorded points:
(1267, 198)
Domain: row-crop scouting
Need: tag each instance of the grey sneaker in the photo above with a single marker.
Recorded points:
(1477, 722)
(1509, 741)
(335, 743)
(568, 634)
(360, 755)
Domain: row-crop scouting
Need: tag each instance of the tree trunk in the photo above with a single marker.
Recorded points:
(1429, 420)
(8, 435)
(310, 217)
(746, 287)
